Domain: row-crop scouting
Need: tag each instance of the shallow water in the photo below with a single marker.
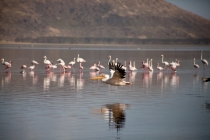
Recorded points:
(53, 105)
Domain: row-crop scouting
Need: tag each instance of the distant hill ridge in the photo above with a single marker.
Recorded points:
(100, 21)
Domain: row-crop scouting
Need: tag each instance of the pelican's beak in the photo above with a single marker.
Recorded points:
(98, 77)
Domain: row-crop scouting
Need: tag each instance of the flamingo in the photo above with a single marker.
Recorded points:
(116, 61)
(164, 62)
(33, 62)
(67, 67)
(94, 67)
(100, 66)
(196, 66)
(47, 62)
(80, 66)
(109, 59)
(23, 68)
(150, 65)
(61, 63)
(9, 65)
(204, 61)
(131, 68)
(145, 65)
(159, 67)
(124, 66)
(31, 67)
(80, 59)
(134, 66)
(4, 62)
(72, 62)
(53, 66)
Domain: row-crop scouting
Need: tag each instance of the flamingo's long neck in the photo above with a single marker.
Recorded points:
(134, 64)
(109, 59)
(201, 55)
(151, 63)
(125, 63)
(162, 59)
(130, 64)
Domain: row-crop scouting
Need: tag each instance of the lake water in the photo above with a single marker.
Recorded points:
(70, 106)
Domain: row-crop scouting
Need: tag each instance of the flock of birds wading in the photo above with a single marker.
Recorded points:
(116, 69)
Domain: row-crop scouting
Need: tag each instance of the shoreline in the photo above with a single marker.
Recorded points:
(101, 45)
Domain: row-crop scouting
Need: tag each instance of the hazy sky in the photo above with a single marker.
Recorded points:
(199, 7)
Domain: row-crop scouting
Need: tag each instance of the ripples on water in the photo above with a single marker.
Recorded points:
(54, 105)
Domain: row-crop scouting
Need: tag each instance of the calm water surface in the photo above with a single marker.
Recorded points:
(54, 105)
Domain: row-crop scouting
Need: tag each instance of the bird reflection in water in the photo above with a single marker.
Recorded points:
(80, 81)
(174, 79)
(6, 79)
(132, 76)
(61, 80)
(50, 77)
(34, 77)
(147, 78)
(115, 115)
(207, 106)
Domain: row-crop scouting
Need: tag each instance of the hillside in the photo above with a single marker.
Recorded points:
(98, 21)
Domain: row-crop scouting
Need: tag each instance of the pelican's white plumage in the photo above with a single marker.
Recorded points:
(117, 78)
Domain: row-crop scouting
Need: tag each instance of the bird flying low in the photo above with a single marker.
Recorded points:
(117, 75)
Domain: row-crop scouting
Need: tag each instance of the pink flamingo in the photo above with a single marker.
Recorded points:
(72, 62)
(80, 59)
(204, 61)
(100, 66)
(80, 66)
(9, 65)
(159, 67)
(23, 68)
(196, 66)
(145, 65)
(131, 68)
(33, 62)
(94, 67)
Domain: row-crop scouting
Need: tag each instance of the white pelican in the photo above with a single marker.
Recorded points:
(117, 78)
(159, 67)
(204, 61)
(72, 62)
(94, 67)
(80, 59)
